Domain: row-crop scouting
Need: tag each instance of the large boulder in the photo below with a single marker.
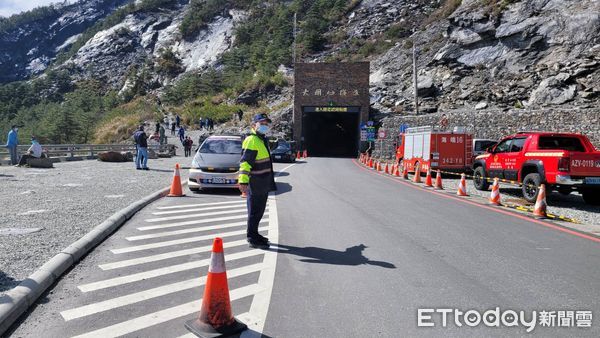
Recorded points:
(114, 156)
(553, 91)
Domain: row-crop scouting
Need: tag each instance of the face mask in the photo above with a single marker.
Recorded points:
(262, 129)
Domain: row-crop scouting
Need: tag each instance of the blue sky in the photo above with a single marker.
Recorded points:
(9, 7)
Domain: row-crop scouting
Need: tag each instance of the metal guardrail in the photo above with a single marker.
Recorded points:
(90, 151)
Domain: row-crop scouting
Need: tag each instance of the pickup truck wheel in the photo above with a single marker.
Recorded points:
(531, 184)
(479, 180)
(591, 197)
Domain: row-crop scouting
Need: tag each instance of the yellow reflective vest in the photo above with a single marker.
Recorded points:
(256, 168)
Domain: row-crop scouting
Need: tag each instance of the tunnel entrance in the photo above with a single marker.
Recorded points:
(331, 131)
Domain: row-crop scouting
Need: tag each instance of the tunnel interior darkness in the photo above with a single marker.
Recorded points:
(331, 134)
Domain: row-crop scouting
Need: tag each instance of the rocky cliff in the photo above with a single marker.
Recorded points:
(27, 49)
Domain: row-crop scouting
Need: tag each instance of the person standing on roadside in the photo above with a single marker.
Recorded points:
(173, 129)
(178, 120)
(256, 178)
(11, 143)
(162, 139)
(141, 142)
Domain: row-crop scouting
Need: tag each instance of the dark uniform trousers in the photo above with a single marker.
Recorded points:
(257, 204)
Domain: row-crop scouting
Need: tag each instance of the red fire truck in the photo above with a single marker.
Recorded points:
(448, 151)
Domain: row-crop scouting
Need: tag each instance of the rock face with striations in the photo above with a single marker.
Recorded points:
(536, 53)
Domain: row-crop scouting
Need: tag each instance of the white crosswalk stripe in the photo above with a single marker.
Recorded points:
(132, 298)
(188, 231)
(167, 255)
(136, 277)
(180, 241)
(174, 212)
(182, 206)
(162, 316)
(172, 218)
(194, 222)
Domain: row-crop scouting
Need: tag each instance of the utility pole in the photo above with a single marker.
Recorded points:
(415, 78)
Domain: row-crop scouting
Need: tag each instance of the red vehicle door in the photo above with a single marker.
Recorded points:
(498, 158)
(512, 159)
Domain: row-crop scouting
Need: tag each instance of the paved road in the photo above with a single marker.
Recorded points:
(358, 254)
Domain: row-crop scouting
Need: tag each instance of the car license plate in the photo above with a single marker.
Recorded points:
(278, 157)
(218, 180)
(592, 180)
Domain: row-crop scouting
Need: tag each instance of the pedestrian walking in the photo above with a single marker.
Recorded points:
(178, 120)
(256, 177)
(173, 129)
(240, 114)
(157, 129)
(211, 124)
(181, 134)
(11, 143)
(201, 123)
(141, 143)
(35, 151)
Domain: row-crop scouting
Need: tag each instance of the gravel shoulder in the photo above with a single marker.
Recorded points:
(43, 211)
(571, 206)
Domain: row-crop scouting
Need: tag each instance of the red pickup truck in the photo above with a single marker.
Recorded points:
(564, 162)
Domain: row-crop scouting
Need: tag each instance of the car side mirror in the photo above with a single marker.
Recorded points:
(490, 149)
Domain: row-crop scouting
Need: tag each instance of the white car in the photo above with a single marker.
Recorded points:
(216, 163)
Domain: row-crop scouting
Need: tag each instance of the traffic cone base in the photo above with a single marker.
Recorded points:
(201, 329)
(176, 190)
(405, 172)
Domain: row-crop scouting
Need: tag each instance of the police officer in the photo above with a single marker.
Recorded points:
(256, 177)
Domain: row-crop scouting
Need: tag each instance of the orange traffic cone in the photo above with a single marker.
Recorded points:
(417, 178)
(387, 169)
(540, 204)
(305, 154)
(176, 190)
(438, 180)
(371, 163)
(397, 171)
(495, 195)
(428, 181)
(405, 171)
(216, 319)
(298, 155)
(378, 166)
(462, 187)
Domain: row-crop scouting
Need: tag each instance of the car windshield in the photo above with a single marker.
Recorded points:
(283, 146)
(221, 146)
(560, 142)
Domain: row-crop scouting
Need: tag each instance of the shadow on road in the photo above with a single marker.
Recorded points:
(7, 282)
(282, 188)
(351, 256)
